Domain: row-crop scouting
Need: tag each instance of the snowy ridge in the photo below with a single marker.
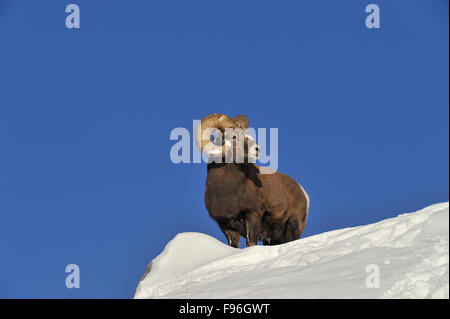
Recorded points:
(410, 251)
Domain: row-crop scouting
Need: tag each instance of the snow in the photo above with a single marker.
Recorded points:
(402, 257)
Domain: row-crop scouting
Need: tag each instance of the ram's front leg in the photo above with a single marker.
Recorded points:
(233, 237)
(253, 228)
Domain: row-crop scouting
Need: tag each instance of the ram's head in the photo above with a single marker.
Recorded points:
(227, 139)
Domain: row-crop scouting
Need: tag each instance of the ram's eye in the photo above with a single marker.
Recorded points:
(216, 138)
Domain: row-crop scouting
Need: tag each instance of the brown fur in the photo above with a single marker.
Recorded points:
(267, 207)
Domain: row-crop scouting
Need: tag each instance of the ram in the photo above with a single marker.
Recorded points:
(243, 198)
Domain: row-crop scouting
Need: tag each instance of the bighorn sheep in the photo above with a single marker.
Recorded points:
(243, 200)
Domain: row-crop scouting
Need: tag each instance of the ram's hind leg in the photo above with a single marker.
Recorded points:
(253, 228)
(271, 242)
(292, 229)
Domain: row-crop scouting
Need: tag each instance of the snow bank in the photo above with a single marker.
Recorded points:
(402, 257)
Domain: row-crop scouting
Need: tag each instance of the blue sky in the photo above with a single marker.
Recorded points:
(85, 118)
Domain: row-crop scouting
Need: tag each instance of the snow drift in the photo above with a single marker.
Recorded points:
(401, 257)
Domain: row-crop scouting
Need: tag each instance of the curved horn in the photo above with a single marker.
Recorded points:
(206, 127)
(242, 120)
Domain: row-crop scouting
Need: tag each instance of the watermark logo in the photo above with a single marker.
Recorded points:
(73, 279)
(231, 145)
(373, 19)
(73, 19)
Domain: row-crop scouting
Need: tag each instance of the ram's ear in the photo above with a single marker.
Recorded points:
(242, 120)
